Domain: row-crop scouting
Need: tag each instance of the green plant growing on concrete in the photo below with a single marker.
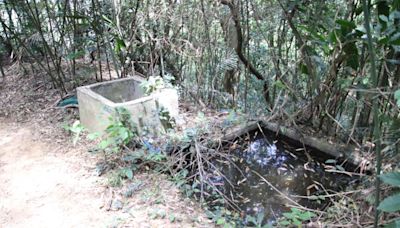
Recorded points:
(119, 135)
(155, 83)
(120, 139)
(167, 121)
(121, 131)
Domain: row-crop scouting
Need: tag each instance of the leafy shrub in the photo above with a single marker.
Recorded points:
(121, 132)
(155, 83)
(296, 217)
(76, 128)
(391, 203)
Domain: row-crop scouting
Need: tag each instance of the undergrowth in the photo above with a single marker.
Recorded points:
(186, 156)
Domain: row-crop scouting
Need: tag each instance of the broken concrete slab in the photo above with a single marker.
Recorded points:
(98, 102)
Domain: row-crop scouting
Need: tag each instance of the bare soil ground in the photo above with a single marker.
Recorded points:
(42, 188)
(45, 181)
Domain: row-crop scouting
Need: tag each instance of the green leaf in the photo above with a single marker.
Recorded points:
(330, 161)
(104, 144)
(220, 221)
(119, 45)
(395, 224)
(383, 8)
(296, 210)
(75, 55)
(397, 97)
(279, 84)
(289, 215)
(346, 24)
(395, 39)
(172, 218)
(284, 223)
(93, 136)
(304, 69)
(306, 215)
(128, 173)
(267, 226)
(296, 222)
(338, 167)
(108, 20)
(383, 18)
(392, 178)
(390, 204)
(383, 40)
(332, 37)
(351, 55)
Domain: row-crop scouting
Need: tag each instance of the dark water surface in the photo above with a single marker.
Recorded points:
(293, 171)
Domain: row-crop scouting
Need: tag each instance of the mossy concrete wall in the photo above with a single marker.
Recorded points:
(98, 102)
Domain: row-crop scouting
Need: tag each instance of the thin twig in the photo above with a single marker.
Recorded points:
(284, 195)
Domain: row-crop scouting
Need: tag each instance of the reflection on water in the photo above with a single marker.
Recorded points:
(293, 173)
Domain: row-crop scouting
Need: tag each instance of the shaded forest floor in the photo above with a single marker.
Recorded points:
(48, 182)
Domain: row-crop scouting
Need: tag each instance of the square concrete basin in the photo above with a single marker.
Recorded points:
(98, 102)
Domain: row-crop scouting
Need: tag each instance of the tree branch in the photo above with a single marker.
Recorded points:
(301, 44)
(239, 48)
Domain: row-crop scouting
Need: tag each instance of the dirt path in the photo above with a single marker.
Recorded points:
(40, 188)
(43, 184)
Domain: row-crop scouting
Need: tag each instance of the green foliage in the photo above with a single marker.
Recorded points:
(121, 136)
(158, 214)
(127, 172)
(223, 217)
(119, 45)
(155, 157)
(180, 178)
(257, 221)
(391, 203)
(395, 224)
(388, 31)
(296, 217)
(397, 97)
(155, 83)
(121, 131)
(116, 177)
(230, 62)
(392, 178)
(76, 128)
(75, 55)
(167, 121)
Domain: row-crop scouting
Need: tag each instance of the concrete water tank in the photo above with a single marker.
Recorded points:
(98, 102)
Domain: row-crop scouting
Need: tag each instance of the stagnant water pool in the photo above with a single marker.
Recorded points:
(293, 171)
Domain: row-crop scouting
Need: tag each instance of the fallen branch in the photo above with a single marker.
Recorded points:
(336, 150)
(333, 149)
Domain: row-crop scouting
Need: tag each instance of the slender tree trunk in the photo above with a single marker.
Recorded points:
(375, 109)
(2, 70)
